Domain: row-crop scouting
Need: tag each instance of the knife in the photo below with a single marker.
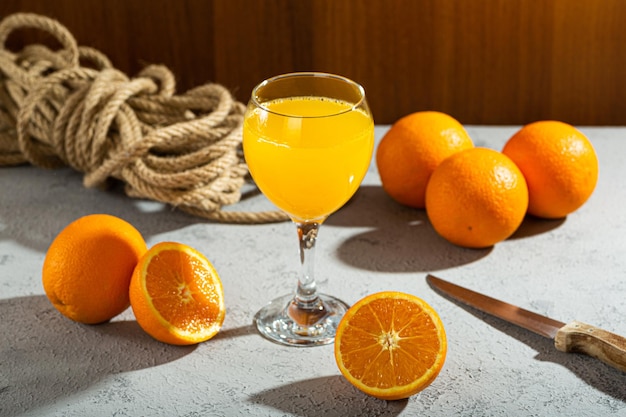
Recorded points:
(574, 337)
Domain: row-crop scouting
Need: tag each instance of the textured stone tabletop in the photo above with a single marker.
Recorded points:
(568, 269)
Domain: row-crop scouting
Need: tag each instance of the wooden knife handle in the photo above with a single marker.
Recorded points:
(583, 338)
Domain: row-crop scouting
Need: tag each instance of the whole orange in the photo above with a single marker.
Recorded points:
(476, 198)
(559, 164)
(411, 150)
(87, 269)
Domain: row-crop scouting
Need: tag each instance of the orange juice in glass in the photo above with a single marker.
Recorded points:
(308, 165)
(308, 140)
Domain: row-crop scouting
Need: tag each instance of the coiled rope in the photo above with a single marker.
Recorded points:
(183, 150)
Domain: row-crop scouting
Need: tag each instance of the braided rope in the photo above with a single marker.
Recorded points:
(183, 150)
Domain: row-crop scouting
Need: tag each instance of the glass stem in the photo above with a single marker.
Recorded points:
(306, 294)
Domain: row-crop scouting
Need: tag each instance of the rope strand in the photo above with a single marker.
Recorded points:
(183, 150)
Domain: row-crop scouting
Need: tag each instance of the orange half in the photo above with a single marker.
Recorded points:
(177, 295)
(390, 345)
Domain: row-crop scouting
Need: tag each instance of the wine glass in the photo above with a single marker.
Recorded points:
(308, 140)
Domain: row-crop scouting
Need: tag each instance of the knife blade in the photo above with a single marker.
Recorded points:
(573, 337)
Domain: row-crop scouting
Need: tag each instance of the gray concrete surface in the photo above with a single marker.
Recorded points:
(571, 269)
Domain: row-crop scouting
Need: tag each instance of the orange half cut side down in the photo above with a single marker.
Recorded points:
(390, 345)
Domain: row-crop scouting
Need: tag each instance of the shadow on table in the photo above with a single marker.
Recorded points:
(43, 201)
(597, 374)
(398, 239)
(45, 357)
(229, 333)
(532, 226)
(401, 238)
(325, 396)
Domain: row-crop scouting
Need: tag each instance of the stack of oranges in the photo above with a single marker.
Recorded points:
(476, 197)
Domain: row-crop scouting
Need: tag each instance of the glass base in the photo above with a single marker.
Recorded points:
(283, 322)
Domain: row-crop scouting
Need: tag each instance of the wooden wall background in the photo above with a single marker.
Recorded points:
(482, 61)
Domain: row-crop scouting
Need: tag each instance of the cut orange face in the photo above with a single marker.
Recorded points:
(390, 345)
(177, 295)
